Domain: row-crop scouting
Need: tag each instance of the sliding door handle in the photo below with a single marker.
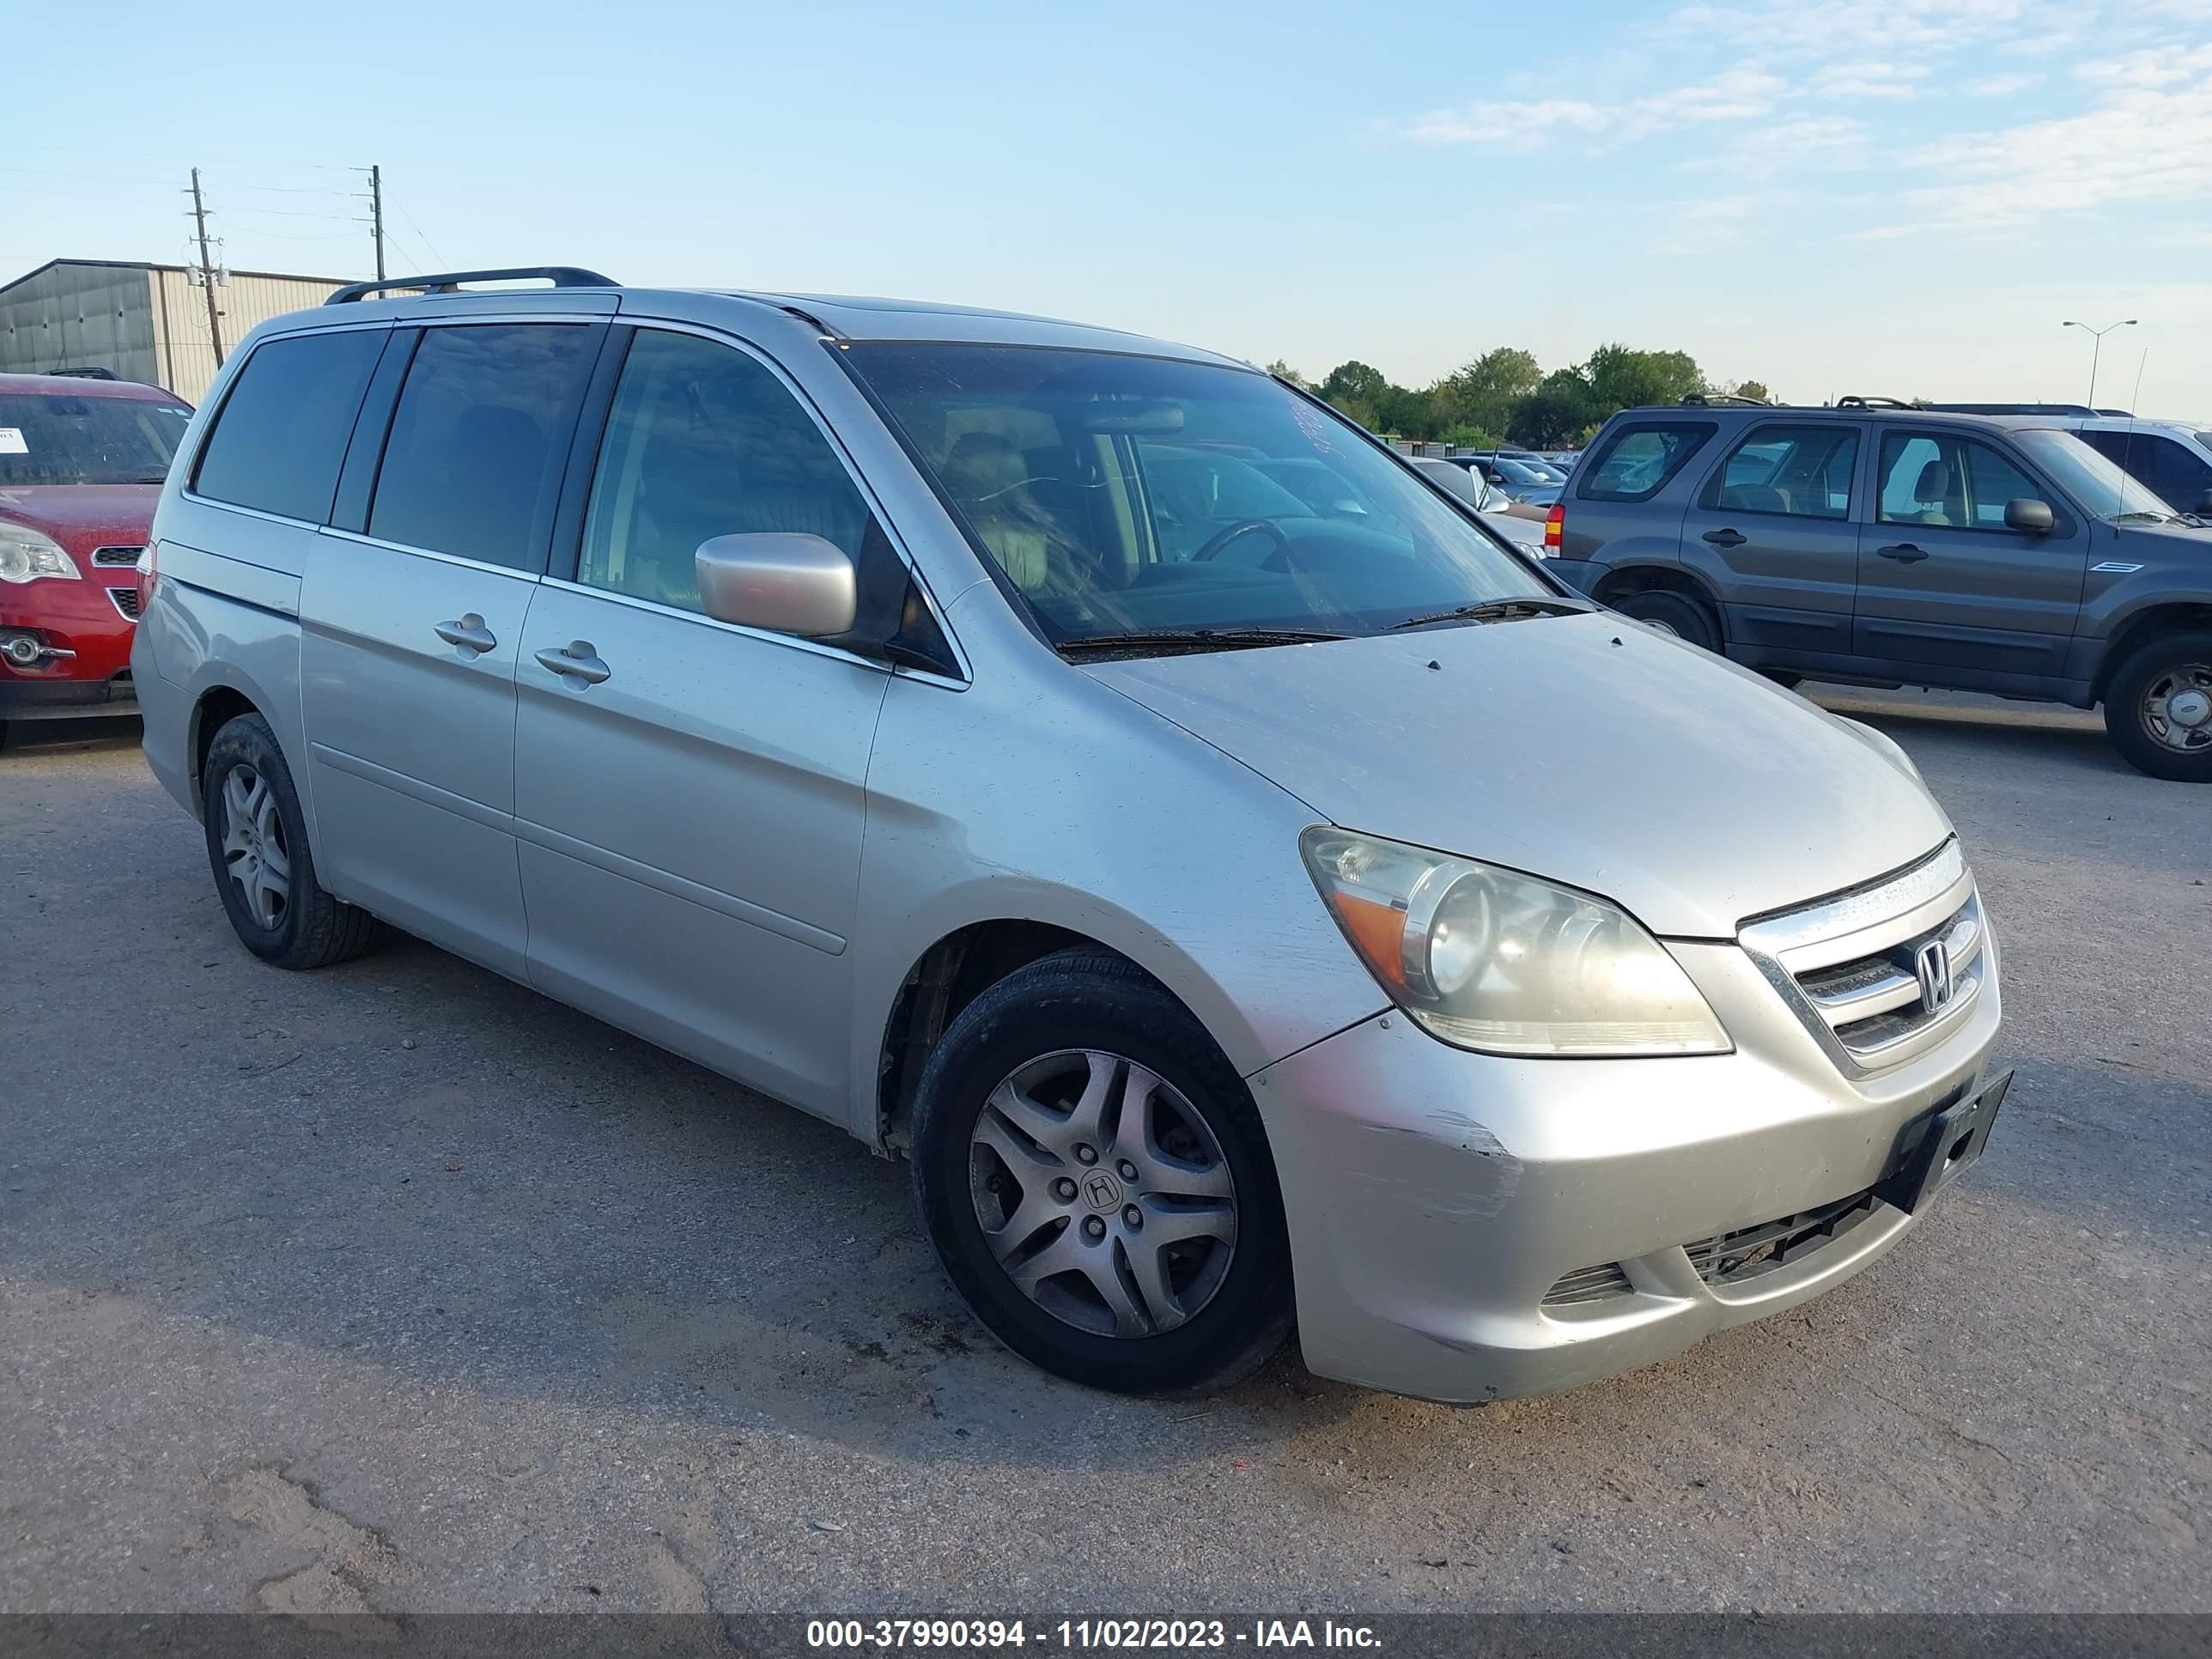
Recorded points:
(576, 661)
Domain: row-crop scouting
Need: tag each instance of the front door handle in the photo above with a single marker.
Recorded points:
(1903, 552)
(469, 634)
(1726, 537)
(576, 661)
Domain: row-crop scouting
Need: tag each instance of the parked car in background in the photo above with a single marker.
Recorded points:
(941, 721)
(2173, 457)
(81, 460)
(1528, 479)
(1468, 485)
(1885, 545)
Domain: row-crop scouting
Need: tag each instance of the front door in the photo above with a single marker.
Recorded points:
(689, 794)
(409, 628)
(1770, 531)
(1944, 582)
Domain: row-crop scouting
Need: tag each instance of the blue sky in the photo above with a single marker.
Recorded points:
(1905, 199)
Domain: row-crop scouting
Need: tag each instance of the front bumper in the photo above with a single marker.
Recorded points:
(82, 618)
(1435, 1197)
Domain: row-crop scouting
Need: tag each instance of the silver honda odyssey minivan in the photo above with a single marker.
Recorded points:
(1247, 903)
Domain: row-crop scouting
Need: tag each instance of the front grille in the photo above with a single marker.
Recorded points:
(116, 555)
(1589, 1284)
(125, 599)
(1875, 1002)
(1878, 973)
(1731, 1258)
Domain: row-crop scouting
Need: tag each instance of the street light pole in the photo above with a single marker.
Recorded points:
(2096, 350)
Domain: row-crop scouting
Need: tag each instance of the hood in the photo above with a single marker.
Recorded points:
(1586, 748)
(82, 517)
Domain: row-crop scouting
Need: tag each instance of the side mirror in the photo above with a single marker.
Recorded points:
(2028, 516)
(786, 583)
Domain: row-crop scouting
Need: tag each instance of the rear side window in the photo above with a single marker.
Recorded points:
(473, 462)
(1638, 460)
(281, 435)
(1799, 471)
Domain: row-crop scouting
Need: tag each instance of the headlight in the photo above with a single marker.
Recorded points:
(1495, 960)
(28, 554)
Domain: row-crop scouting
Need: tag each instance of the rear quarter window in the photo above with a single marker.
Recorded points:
(281, 435)
(1636, 462)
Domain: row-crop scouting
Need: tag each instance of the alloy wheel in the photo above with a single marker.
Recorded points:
(253, 851)
(2176, 708)
(1102, 1193)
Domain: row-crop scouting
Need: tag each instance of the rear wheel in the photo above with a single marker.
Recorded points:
(2158, 707)
(1670, 612)
(257, 841)
(1096, 1182)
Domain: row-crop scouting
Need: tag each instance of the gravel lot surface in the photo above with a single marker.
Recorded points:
(397, 1287)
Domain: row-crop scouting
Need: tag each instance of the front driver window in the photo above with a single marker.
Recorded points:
(1937, 478)
(702, 440)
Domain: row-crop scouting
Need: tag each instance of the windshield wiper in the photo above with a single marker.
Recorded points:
(2143, 515)
(1199, 639)
(1499, 610)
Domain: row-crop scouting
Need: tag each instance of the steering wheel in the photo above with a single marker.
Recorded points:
(1222, 537)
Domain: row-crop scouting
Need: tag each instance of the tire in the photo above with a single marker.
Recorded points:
(2139, 707)
(1687, 619)
(1190, 1317)
(265, 870)
(3, 734)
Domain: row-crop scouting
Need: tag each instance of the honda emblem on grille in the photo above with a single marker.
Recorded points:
(1931, 965)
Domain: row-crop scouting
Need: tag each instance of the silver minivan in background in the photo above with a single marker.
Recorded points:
(1240, 915)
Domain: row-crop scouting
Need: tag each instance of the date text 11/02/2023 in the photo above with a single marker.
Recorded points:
(1087, 1635)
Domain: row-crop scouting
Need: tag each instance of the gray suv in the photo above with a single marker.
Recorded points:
(1878, 544)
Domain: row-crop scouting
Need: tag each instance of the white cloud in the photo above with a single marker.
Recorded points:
(1507, 126)
(1869, 79)
(2001, 86)
(2148, 140)
(1740, 92)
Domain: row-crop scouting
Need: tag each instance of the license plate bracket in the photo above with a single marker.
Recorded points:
(1938, 1144)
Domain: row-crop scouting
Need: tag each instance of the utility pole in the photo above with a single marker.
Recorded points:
(207, 269)
(376, 215)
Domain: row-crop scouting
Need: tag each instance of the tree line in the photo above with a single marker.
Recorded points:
(1503, 397)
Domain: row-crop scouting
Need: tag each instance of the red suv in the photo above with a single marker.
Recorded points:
(81, 462)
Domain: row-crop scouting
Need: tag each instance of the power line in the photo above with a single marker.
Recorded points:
(420, 233)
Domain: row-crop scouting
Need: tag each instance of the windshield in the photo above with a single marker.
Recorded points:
(2097, 485)
(1124, 495)
(58, 438)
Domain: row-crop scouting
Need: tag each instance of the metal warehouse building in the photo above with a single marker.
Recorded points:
(144, 322)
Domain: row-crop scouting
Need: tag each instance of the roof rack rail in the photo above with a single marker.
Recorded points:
(87, 374)
(2012, 409)
(1709, 399)
(1853, 400)
(449, 282)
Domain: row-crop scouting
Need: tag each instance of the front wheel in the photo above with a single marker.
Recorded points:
(1689, 620)
(1096, 1179)
(256, 842)
(2158, 707)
